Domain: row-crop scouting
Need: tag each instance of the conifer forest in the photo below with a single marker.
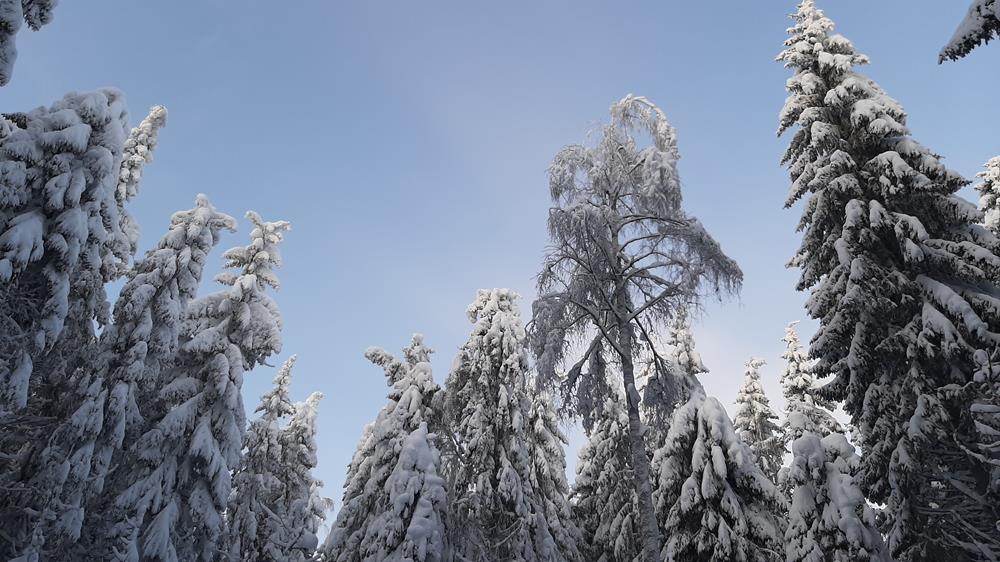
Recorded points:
(574, 424)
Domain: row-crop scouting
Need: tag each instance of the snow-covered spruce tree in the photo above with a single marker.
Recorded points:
(557, 537)
(623, 257)
(604, 498)
(118, 392)
(713, 502)
(486, 412)
(828, 519)
(255, 513)
(989, 195)
(980, 25)
(35, 13)
(394, 504)
(805, 409)
(304, 506)
(903, 283)
(755, 421)
(495, 511)
(58, 221)
(181, 479)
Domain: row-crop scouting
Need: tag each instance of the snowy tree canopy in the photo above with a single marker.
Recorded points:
(496, 510)
(394, 499)
(829, 519)
(173, 509)
(35, 13)
(805, 409)
(902, 281)
(980, 25)
(755, 421)
(713, 502)
(989, 194)
(623, 257)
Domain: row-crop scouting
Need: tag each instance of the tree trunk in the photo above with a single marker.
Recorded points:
(649, 531)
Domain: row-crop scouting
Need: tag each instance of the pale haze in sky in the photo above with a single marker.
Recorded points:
(408, 143)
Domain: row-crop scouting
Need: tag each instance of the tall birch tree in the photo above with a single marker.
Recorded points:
(623, 257)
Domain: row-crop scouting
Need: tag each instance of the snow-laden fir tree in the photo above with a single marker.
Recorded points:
(828, 519)
(495, 512)
(255, 513)
(394, 503)
(903, 282)
(119, 391)
(989, 194)
(713, 502)
(623, 257)
(557, 537)
(58, 239)
(35, 13)
(58, 223)
(980, 25)
(604, 498)
(667, 375)
(181, 480)
(304, 506)
(805, 409)
(485, 412)
(755, 421)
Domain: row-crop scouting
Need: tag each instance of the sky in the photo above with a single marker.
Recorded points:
(408, 142)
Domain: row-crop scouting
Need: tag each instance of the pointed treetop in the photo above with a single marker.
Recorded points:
(306, 410)
(138, 151)
(417, 351)
(276, 403)
(797, 380)
(492, 300)
(812, 50)
(682, 344)
(185, 225)
(414, 353)
(753, 365)
(256, 260)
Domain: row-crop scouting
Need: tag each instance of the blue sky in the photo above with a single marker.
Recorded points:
(408, 144)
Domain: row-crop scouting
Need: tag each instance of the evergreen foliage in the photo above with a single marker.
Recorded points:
(902, 279)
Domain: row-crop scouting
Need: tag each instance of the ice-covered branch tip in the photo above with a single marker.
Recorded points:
(257, 260)
(138, 151)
